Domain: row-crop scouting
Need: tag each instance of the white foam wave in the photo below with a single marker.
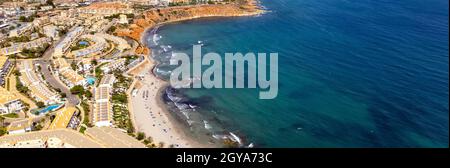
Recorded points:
(162, 72)
(172, 97)
(207, 125)
(235, 138)
(220, 137)
(156, 38)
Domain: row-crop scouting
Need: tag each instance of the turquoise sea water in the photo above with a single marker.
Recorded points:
(352, 73)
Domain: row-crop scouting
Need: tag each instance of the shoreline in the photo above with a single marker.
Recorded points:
(149, 114)
(179, 127)
(143, 122)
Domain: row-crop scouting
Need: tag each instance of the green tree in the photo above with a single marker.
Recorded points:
(88, 94)
(20, 87)
(50, 2)
(27, 19)
(63, 95)
(17, 72)
(78, 89)
(22, 18)
(37, 127)
(82, 129)
(3, 131)
(122, 98)
(140, 136)
(40, 104)
(94, 62)
(73, 65)
(86, 110)
(112, 29)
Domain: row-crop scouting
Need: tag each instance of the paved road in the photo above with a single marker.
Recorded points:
(45, 62)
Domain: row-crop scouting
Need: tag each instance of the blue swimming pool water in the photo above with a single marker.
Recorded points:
(83, 43)
(90, 80)
(49, 108)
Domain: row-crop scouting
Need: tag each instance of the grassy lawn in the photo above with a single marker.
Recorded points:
(11, 115)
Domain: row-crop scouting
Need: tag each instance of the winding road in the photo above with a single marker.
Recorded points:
(45, 62)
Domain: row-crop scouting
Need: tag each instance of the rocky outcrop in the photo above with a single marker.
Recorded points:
(142, 50)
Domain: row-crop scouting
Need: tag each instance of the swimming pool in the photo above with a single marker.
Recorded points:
(48, 108)
(90, 80)
(83, 43)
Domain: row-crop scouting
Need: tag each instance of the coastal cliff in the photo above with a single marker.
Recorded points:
(154, 17)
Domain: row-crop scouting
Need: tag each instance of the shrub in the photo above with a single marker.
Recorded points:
(40, 104)
(140, 136)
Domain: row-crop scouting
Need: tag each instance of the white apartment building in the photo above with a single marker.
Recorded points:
(18, 47)
(9, 103)
(121, 44)
(95, 49)
(62, 47)
(67, 74)
(5, 66)
(104, 11)
(41, 21)
(102, 108)
(98, 24)
(116, 64)
(20, 30)
(46, 8)
(19, 127)
(123, 19)
(39, 90)
(51, 31)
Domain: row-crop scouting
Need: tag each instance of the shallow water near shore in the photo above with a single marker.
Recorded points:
(351, 74)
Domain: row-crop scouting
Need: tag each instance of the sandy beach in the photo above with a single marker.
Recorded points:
(149, 115)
